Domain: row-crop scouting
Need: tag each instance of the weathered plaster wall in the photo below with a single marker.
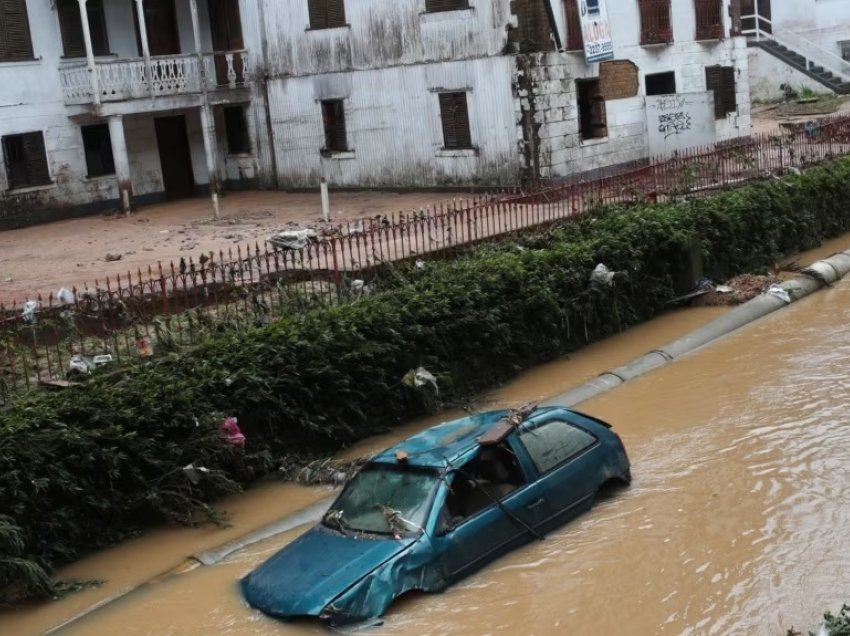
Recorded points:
(563, 152)
(394, 127)
(31, 100)
(811, 15)
(381, 34)
(767, 74)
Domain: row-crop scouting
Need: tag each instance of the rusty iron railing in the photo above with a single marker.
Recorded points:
(165, 306)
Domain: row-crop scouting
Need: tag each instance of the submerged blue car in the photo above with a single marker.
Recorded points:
(437, 506)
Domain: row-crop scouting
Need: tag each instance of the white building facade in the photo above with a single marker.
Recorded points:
(515, 71)
(110, 103)
(158, 99)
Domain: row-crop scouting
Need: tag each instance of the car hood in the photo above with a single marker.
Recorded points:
(306, 575)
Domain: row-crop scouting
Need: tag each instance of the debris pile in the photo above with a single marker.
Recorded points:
(736, 291)
(329, 471)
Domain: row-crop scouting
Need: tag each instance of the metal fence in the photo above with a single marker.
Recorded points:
(44, 341)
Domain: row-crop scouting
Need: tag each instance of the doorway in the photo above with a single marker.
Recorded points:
(226, 32)
(161, 25)
(748, 8)
(175, 157)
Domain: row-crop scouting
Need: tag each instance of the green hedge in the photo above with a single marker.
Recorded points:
(84, 468)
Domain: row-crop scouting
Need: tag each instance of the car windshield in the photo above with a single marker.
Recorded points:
(384, 500)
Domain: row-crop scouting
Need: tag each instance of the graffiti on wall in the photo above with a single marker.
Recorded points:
(678, 121)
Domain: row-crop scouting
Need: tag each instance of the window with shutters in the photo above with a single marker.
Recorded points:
(575, 40)
(709, 14)
(15, 42)
(433, 6)
(98, 148)
(26, 160)
(333, 118)
(655, 24)
(592, 114)
(455, 118)
(326, 14)
(236, 129)
(721, 80)
(71, 28)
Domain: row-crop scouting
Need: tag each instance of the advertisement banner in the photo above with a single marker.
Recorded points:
(596, 30)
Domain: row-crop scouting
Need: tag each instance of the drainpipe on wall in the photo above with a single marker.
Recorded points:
(207, 119)
(264, 48)
(95, 83)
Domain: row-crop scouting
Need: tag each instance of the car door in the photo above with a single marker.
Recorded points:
(565, 456)
(478, 539)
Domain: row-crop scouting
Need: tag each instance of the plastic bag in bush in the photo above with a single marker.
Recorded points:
(230, 432)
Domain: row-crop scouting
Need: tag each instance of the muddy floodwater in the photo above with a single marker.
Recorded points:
(737, 522)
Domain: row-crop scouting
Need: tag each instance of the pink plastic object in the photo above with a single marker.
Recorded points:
(230, 432)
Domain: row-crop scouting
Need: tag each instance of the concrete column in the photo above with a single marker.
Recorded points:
(207, 119)
(122, 161)
(208, 130)
(95, 83)
(143, 36)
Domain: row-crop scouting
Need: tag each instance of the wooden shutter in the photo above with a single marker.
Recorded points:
(709, 19)
(655, 25)
(721, 80)
(36, 159)
(445, 5)
(71, 28)
(336, 13)
(326, 14)
(26, 160)
(455, 118)
(318, 14)
(575, 39)
(727, 89)
(15, 42)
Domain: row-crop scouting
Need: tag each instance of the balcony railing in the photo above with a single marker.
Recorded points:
(655, 24)
(166, 76)
(709, 14)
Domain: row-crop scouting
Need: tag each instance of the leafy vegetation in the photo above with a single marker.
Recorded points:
(838, 624)
(89, 466)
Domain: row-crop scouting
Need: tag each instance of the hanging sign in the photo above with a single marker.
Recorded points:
(596, 30)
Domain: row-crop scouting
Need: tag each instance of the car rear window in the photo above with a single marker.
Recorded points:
(554, 442)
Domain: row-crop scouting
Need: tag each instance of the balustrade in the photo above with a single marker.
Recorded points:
(167, 75)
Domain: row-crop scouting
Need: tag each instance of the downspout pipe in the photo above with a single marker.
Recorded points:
(824, 272)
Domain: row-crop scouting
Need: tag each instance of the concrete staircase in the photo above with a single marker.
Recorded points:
(837, 83)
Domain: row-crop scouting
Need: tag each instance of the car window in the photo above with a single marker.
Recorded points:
(480, 483)
(554, 442)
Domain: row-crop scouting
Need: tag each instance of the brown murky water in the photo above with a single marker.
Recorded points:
(737, 521)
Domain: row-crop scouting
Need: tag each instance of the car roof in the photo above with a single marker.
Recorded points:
(445, 443)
